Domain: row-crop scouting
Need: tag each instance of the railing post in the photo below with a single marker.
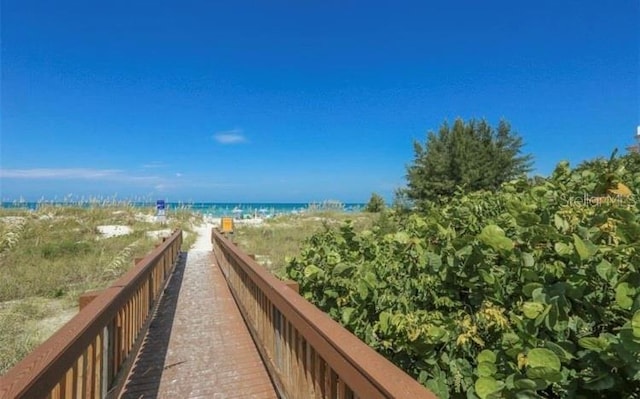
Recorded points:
(86, 298)
(105, 362)
(293, 285)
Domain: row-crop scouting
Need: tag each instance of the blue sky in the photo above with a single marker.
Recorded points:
(297, 101)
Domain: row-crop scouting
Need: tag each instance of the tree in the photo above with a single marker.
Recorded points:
(375, 204)
(469, 156)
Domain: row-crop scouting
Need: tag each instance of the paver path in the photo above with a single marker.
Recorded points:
(197, 345)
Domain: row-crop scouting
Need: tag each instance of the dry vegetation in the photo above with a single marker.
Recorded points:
(280, 238)
(50, 256)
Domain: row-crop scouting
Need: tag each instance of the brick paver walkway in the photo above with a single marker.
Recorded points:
(198, 345)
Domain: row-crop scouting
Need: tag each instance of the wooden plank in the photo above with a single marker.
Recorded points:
(97, 368)
(56, 392)
(72, 377)
(80, 376)
(87, 374)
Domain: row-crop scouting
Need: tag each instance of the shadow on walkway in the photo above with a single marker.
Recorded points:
(148, 368)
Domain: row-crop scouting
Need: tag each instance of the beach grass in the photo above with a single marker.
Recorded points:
(50, 256)
(278, 239)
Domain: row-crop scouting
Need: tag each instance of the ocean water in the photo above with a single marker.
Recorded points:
(214, 209)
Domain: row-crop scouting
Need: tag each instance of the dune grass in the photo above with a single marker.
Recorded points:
(280, 238)
(50, 256)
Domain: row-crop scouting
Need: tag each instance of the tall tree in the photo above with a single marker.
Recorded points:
(468, 156)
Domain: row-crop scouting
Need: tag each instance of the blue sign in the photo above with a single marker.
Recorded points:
(160, 209)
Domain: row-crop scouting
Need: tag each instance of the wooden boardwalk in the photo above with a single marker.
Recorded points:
(198, 345)
(170, 328)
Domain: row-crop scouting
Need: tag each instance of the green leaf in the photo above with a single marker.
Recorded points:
(635, 324)
(341, 268)
(486, 369)
(628, 232)
(311, 272)
(561, 224)
(401, 237)
(532, 310)
(333, 258)
(625, 215)
(605, 270)
(546, 374)
(542, 357)
(630, 343)
(486, 276)
(543, 316)
(435, 332)
(493, 236)
(384, 321)
(485, 386)
(585, 249)
(624, 295)
(552, 317)
(527, 394)
(527, 219)
(525, 383)
(371, 279)
(562, 353)
(602, 382)
(529, 288)
(346, 315)
(331, 293)
(598, 344)
(434, 260)
(363, 291)
(563, 249)
(487, 356)
(439, 387)
(528, 260)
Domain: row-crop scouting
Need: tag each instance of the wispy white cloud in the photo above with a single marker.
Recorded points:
(234, 136)
(73, 174)
(154, 165)
(52, 173)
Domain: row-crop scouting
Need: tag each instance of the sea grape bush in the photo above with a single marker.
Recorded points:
(530, 292)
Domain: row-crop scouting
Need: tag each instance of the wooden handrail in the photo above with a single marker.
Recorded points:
(307, 353)
(84, 357)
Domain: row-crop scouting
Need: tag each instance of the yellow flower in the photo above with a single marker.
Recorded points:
(462, 339)
(522, 360)
(493, 316)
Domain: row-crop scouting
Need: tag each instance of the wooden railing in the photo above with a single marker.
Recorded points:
(307, 354)
(83, 359)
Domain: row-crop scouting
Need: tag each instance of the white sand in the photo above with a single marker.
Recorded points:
(141, 217)
(203, 242)
(157, 234)
(109, 231)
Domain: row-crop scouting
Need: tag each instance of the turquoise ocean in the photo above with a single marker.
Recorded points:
(214, 209)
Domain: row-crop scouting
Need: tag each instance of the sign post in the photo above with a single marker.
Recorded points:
(160, 211)
(226, 225)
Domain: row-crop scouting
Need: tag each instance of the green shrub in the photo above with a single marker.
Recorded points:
(376, 204)
(530, 292)
(54, 250)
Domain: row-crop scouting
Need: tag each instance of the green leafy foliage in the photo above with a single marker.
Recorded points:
(529, 292)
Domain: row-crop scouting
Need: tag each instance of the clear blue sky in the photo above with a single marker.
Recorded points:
(297, 101)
